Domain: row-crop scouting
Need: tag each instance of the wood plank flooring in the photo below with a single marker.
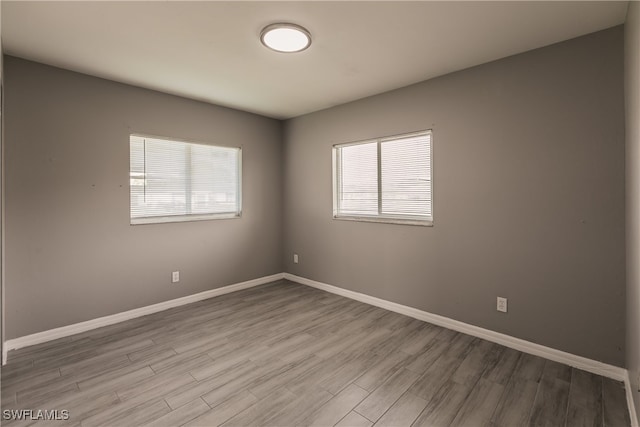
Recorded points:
(284, 354)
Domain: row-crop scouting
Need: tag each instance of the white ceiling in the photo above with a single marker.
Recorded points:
(211, 51)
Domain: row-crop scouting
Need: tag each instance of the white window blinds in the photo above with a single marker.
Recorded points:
(182, 181)
(384, 179)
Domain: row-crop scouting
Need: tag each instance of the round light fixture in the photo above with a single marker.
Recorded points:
(284, 37)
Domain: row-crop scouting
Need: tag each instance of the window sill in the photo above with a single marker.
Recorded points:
(182, 218)
(400, 221)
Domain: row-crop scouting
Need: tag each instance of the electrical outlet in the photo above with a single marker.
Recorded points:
(502, 305)
(295, 258)
(175, 277)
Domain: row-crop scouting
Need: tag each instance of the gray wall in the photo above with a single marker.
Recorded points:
(71, 254)
(529, 198)
(632, 98)
(2, 335)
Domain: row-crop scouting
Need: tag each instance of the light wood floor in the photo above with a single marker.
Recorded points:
(284, 354)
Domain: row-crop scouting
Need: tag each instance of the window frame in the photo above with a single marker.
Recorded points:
(380, 218)
(186, 217)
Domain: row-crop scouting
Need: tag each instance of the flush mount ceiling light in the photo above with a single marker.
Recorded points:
(284, 37)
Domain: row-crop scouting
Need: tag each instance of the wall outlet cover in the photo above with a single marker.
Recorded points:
(501, 304)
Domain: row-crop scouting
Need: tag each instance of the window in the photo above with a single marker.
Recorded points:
(386, 180)
(174, 181)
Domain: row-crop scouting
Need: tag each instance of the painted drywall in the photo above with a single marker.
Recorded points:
(71, 254)
(632, 111)
(1, 196)
(528, 198)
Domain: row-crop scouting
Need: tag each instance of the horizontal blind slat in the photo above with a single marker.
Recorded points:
(405, 173)
(358, 179)
(172, 178)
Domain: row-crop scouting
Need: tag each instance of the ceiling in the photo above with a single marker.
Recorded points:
(210, 51)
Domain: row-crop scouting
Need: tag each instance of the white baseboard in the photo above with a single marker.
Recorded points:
(599, 368)
(65, 331)
(630, 401)
(593, 366)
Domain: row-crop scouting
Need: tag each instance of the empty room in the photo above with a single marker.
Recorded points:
(320, 213)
